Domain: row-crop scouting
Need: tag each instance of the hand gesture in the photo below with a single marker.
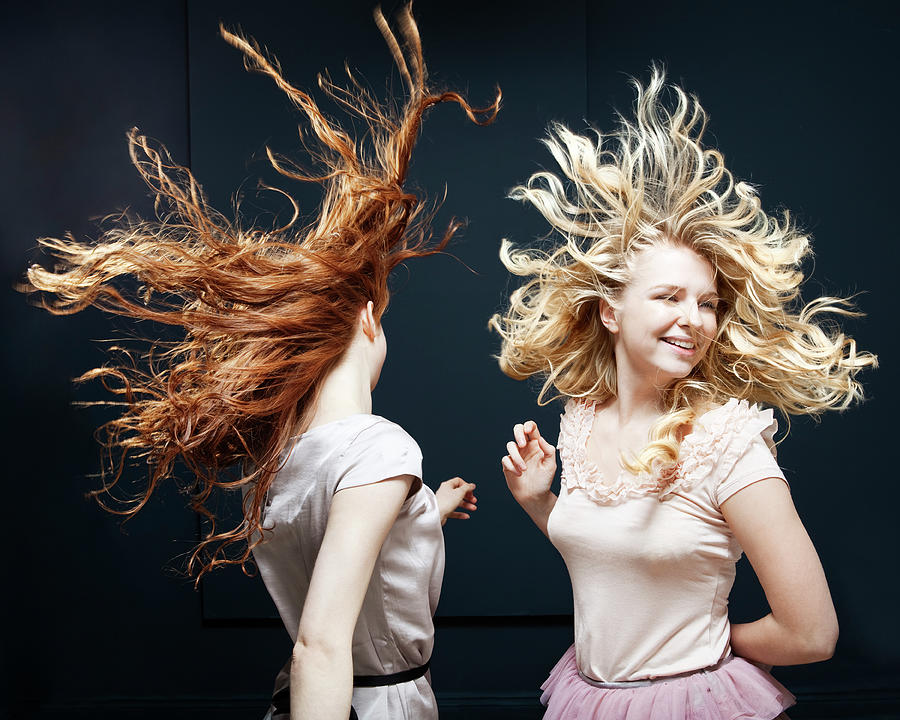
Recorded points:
(453, 494)
(530, 465)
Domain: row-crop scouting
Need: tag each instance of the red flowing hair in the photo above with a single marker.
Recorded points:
(265, 314)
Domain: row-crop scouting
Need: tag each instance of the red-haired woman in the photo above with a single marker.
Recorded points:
(282, 346)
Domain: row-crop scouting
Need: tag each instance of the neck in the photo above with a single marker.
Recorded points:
(346, 390)
(636, 399)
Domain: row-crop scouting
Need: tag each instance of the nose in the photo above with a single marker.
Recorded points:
(690, 315)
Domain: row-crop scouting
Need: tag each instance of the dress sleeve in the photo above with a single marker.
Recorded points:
(750, 454)
(381, 451)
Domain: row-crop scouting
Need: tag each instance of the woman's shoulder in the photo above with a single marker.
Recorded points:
(353, 426)
(580, 409)
(720, 435)
(378, 449)
(378, 429)
(575, 422)
(352, 435)
(733, 416)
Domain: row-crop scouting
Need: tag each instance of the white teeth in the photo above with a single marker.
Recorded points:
(686, 344)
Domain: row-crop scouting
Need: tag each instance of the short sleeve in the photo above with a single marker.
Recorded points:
(380, 451)
(755, 462)
(731, 447)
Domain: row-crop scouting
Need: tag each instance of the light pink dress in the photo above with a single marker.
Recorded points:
(395, 631)
(652, 563)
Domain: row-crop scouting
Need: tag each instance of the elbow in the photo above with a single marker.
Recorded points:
(820, 644)
(827, 641)
(298, 655)
(819, 652)
(313, 650)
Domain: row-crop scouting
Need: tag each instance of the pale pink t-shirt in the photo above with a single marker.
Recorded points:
(652, 563)
(395, 631)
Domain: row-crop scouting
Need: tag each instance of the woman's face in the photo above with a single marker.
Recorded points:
(666, 317)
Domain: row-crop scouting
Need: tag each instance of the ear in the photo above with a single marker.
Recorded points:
(608, 317)
(367, 320)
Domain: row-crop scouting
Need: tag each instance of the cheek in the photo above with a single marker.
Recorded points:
(663, 318)
(710, 328)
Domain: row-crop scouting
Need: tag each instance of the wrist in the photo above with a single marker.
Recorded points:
(536, 502)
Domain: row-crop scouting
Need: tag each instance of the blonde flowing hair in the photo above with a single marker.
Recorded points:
(653, 182)
(265, 313)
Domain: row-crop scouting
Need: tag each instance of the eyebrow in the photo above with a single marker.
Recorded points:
(676, 288)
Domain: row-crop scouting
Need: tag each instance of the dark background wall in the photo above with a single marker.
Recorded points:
(97, 621)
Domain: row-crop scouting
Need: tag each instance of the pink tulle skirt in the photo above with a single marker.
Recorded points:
(738, 690)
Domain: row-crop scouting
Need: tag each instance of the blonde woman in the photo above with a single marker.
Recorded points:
(668, 317)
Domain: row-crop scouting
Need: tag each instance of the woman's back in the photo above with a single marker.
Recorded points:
(394, 631)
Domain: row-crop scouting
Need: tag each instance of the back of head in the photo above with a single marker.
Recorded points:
(265, 313)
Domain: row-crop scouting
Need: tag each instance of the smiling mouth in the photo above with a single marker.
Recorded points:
(686, 345)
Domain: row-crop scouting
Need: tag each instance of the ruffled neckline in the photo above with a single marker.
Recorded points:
(717, 439)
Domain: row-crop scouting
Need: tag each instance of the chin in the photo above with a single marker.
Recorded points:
(668, 375)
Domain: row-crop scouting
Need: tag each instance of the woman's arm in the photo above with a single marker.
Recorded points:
(802, 626)
(529, 468)
(321, 665)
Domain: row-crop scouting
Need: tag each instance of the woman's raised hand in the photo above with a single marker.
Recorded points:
(454, 494)
(529, 465)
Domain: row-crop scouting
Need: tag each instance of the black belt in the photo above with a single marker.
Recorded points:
(392, 679)
(281, 700)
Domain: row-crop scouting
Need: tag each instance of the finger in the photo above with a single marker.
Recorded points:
(508, 466)
(458, 516)
(513, 451)
(531, 430)
(519, 434)
(546, 447)
(460, 498)
(468, 506)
